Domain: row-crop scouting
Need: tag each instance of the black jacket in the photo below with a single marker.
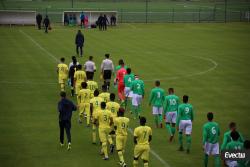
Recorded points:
(65, 109)
(39, 18)
(46, 22)
(79, 39)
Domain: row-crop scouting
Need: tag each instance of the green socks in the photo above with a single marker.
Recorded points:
(173, 130)
(180, 139)
(205, 160)
(160, 118)
(188, 140)
(217, 161)
(169, 129)
(156, 120)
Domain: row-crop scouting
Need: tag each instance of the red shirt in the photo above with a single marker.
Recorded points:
(120, 75)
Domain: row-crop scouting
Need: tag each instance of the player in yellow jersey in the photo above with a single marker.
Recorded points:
(142, 138)
(92, 85)
(84, 103)
(79, 77)
(62, 70)
(105, 120)
(105, 95)
(95, 105)
(121, 127)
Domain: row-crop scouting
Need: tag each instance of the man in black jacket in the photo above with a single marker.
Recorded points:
(65, 109)
(39, 20)
(46, 23)
(79, 41)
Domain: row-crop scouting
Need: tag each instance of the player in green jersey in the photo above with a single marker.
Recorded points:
(171, 104)
(137, 87)
(157, 97)
(128, 79)
(233, 145)
(227, 138)
(184, 122)
(210, 141)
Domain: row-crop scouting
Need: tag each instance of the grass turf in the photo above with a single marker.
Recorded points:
(180, 55)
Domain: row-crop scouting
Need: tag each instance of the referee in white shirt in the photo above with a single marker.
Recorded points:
(90, 68)
(107, 67)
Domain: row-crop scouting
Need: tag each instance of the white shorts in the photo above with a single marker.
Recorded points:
(185, 126)
(128, 92)
(212, 149)
(171, 117)
(157, 110)
(231, 163)
(136, 99)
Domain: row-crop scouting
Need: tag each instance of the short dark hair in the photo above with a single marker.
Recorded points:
(121, 112)
(143, 120)
(120, 62)
(74, 61)
(247, 144)
(79, 67)
(112, 96)
(232, 125)
(170, 90)
(185, 98)
(84, 85)
(157, 83)
(62, 59)
(107, 55)
(104, 87)
(103, 105)
(73, 58)
(128, 70)
(96, 92)
(234, 135)
(63, 94)
(210, 116)
(90, 57)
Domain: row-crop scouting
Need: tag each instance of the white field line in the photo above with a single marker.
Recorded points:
(214, 63)
(131, 25)
(164, 163)
(39, 46)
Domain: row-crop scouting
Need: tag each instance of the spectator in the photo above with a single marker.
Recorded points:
(82, 18)
(66, 19)
(79, 41)
(104, 22)
(99, 22)
(46, 23)
(113, 20)
(39, 19)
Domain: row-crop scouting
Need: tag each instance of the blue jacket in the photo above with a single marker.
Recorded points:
(65, 109)
(79, 39)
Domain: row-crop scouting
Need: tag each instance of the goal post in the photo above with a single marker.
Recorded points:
(92, 15)
(17, 17)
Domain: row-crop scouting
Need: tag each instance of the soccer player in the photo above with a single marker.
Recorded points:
(92, 85)
(84, 97)
(79, 76)
(121, 126)
(235, 144)
(62, 70)
(227, 138)
(113, 106)
(142, 138)
(157, 97)
(184, 121)
(128, 79)
(105, 120)
(107, 67)
(72, 71)
(137, 87)
(170, 111)
(210, 141)
(120, 79)
(95, 105)
(105, 95)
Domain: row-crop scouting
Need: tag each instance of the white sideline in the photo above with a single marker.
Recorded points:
(164, 163)
(38, 45)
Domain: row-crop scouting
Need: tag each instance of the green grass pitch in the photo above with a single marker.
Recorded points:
(209, 62)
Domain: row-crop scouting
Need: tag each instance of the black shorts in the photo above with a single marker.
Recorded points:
(90, 75)
(72, 81)
(107, 74)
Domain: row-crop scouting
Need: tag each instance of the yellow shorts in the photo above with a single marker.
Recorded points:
(62, 80)
(142, 150)
(103, 133)
(77, 88)
(84, 107)
(120, 142)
